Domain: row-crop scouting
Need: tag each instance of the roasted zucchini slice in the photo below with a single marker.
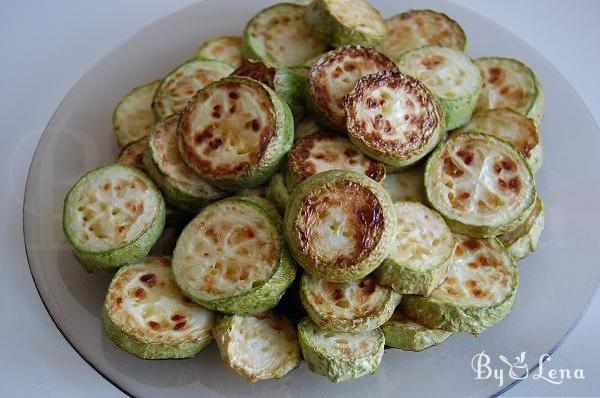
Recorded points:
(421, 252)
(179, 86)
(258, 347)
(524, 239)
(480, 184)
(406, 185)
(231, 257)
(132, 154)
(146, 314)
(451, 75)
(340, 356)
(235, 133)
(334, 75)
(393, 118)
(112, 217)
(513, 127)
(406, 334)
(287, 84)
(339, 225)
(227, 49)
(478, 292)
(277, 191)
(343, 22)
(319, 152)
(419, 28)
(508, 83)
(132, 118)
(305, 127)
(183, 188)
(354, 307)
(279, 35)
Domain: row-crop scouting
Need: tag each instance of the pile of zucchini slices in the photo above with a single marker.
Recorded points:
(328, 184)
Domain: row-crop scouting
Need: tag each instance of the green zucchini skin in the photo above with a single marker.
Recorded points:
(524, 239)
(137, 105)
(322, 19)
(277, 192)
(176, 192)
(99, 261)
(314, 260)
(405, 334)
(338, 369)
(253, 175)
(409, 281)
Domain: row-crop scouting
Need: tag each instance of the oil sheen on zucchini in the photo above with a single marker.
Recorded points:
(227, 49)
(524, 239)
(421, 252)
(480, 184)
(279, 35)
(419, 28)
(393, 118)
(132, 118)
(354, 307)
(339, 225)
(450, 75)
(231, 257)
(112, 216)
(235, 132)
(181, 185)
(340, 356)
(478, 292)
(406, 334)
(146, 314)
(258, 347)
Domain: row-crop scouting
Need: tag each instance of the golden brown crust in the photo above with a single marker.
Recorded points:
(256, 70)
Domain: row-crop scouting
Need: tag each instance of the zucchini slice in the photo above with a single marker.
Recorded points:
(354, 307)
(132, 118)
(480, 184)
(132, 154)
(318, 152)
(451, 75)
(524, 239)
(235, 133)
(231, 257)
(513, 127)
(393, 118)
(279, 35)
(343, 22)
(478, 292)
(406, 185)
(258, 347)
(404, 333)
(179, 86)
(146, 314)
(340, 356)
(277, 192)
(421, 252)
(334, 75)
(305, 127)
(287, 84)
(508, 83)
(227, 49)
(112, 217)
(419, 28)
(339, 225)
(181, 185)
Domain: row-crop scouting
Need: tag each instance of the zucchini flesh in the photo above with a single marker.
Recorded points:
(524, 239)
(179, 86)
(146, 314)
(340, 356)
(306, 126)
(133, 154)
(450, 75)
(513, 127)
(354, 307)
(227, 49)
(279, 35)
(133, 118)
(258, 347)
(419, 28)
(393, 118)
(406, 334)
(406, 185)
(480, 184)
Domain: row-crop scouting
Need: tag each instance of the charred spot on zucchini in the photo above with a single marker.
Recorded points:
(132, 154)
(132, 118)
(406, 334)
(227, 49)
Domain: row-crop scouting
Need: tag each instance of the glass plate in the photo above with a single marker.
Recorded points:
(556, 283)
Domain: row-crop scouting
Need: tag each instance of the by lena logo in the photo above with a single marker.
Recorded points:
(518, 369)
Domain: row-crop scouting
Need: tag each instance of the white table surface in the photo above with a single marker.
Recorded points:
(46, 46)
